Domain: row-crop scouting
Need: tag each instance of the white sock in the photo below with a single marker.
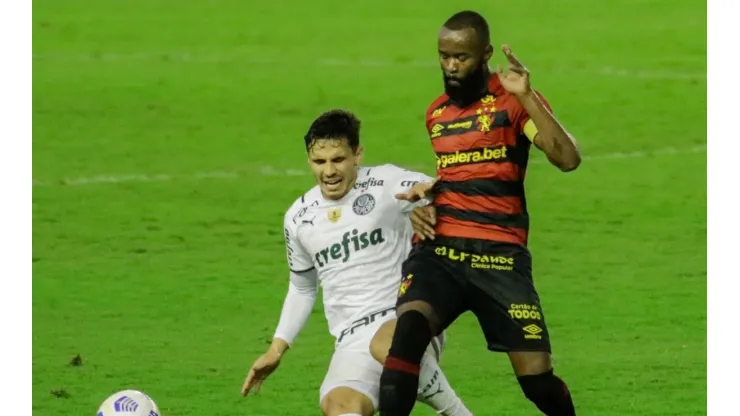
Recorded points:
(436, 392)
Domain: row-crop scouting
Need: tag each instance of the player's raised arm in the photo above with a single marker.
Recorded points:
(413, 189)
(413, 193)
(538, 123)
(297, 307)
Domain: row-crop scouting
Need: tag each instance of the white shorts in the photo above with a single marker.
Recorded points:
(353, 366)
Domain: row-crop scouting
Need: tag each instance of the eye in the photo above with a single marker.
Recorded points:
(338, 159)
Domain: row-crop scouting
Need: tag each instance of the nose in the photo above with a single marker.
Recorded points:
(331, 169)
(451, 66)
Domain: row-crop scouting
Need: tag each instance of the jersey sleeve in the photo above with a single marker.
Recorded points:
(401, 182)
(523, 123)
(299, 261)
(297, 305)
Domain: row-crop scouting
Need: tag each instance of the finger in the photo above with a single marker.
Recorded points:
(517, 69)
(417, 195)
(404, 197)
(258, 387)
(418, 223)
(510, 55)
(429, 232)
(421, 224)
(426, 212)
(248, 383)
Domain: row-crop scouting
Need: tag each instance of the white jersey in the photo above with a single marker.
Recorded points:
(356, 244)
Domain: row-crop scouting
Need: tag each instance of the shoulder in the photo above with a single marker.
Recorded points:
(301, 205)
(378, 173)
(437, 107)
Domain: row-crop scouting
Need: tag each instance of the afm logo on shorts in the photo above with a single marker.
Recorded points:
(477, 261)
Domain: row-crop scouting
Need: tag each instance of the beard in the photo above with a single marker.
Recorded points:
(467, 89)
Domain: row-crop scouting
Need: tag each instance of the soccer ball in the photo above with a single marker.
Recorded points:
(128, 403)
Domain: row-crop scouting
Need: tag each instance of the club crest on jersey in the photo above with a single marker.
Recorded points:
(334, 214)
(363, 204)
(484, 113)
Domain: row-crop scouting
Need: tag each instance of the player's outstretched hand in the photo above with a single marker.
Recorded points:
(265, 365)
(418, 191)
(516, 79)
(423, 220)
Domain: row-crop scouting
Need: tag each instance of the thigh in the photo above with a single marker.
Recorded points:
(432, 279)
(503, 298)
(351, 383)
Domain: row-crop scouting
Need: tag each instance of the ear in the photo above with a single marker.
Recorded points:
(487, 54)
(358, 155)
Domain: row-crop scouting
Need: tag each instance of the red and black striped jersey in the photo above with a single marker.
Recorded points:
(482, 153)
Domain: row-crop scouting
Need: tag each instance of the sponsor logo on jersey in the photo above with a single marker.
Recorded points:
(367, 183)
(363, 204)
(486, 154)
(352, 242)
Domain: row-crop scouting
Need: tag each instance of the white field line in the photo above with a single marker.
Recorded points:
(267, 170)
(606, 71)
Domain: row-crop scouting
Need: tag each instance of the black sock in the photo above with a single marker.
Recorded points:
(400, 379)
(549, 393)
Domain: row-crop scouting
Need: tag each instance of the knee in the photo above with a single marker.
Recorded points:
(342, 401)
(425, 310)
(530, 363)
(535, 387)
(381, 341)
(411, 337)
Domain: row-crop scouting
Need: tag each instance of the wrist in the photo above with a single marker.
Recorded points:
(527, 95)
(279, 347)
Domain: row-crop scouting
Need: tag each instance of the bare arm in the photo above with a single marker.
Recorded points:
(549, 135)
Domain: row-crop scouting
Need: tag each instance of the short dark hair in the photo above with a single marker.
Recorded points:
(468, 19)
(335, 124)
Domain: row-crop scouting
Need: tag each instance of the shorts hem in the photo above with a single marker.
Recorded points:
(501, 348)
(350, 384)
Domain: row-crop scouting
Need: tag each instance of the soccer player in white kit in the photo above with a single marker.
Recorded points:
(350, 234)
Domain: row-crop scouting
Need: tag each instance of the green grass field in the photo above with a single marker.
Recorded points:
(167, 146)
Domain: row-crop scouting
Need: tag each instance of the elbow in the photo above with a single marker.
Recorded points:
(570, 164)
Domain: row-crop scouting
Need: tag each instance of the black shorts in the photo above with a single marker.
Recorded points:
(494, 281)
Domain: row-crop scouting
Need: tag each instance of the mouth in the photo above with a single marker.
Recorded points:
(332, 184)
(452, 81)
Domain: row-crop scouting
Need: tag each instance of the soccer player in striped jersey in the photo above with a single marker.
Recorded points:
(481, 130)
